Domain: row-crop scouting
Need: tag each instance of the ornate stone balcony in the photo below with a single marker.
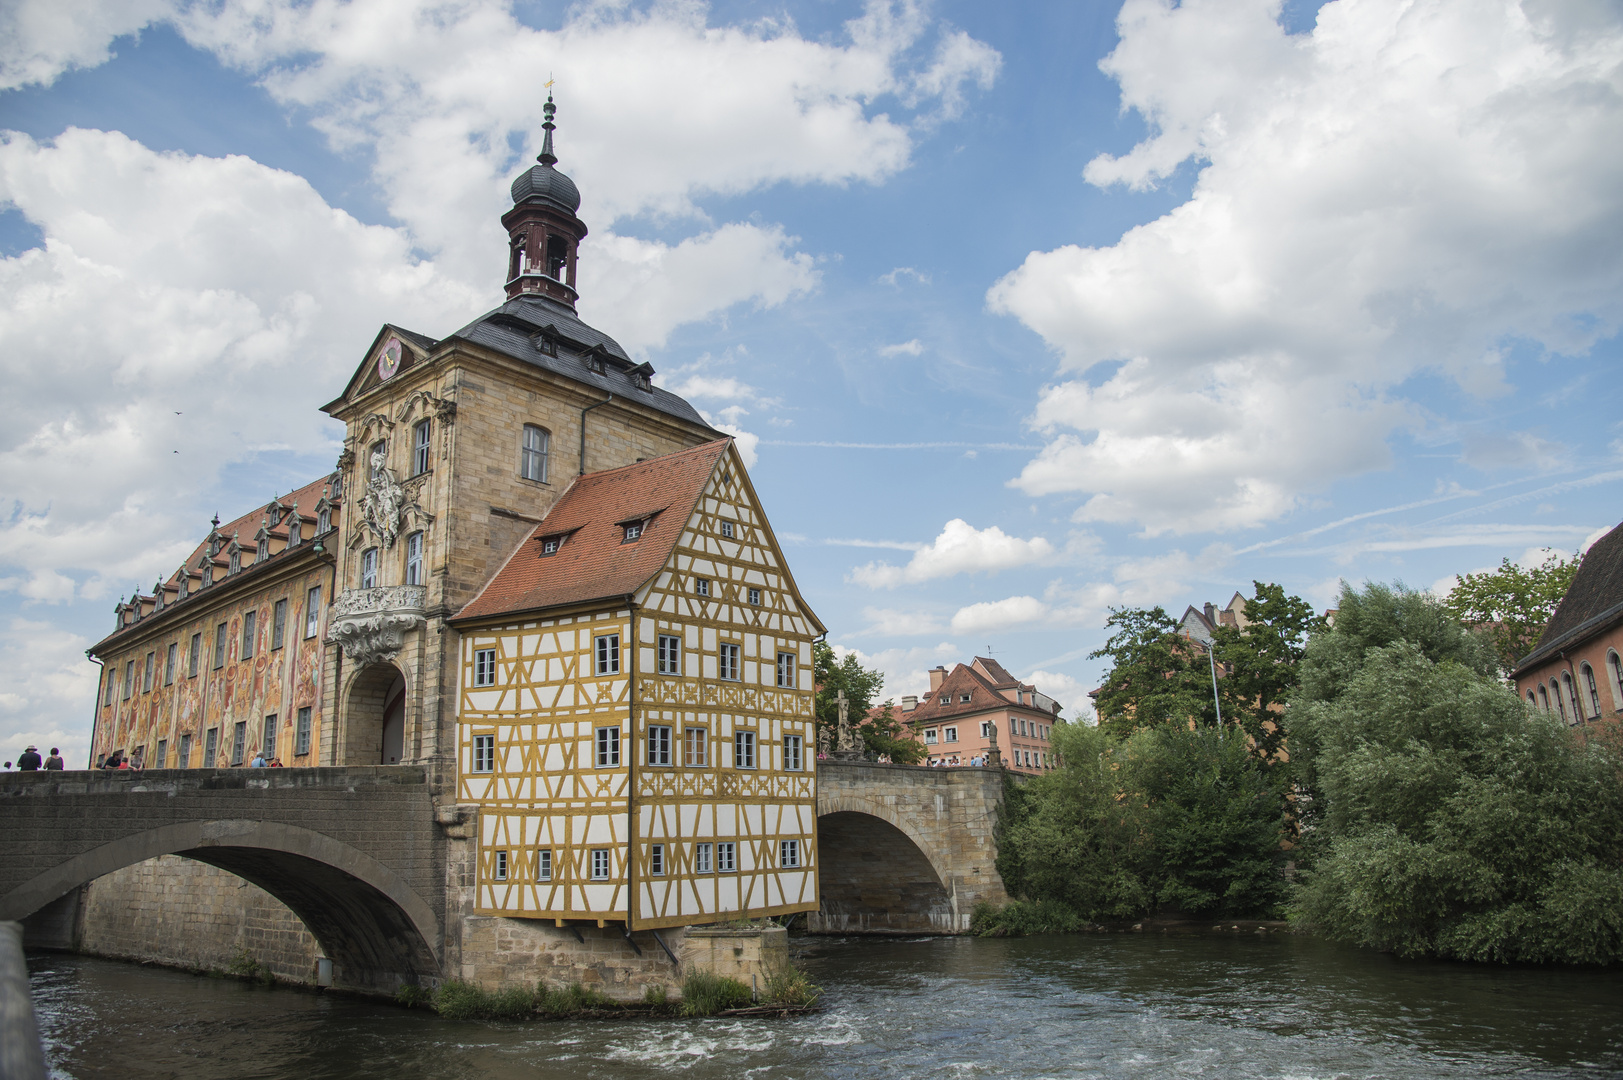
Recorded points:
(371, 624)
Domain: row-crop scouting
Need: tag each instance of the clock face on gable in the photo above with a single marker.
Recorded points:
(389, 359)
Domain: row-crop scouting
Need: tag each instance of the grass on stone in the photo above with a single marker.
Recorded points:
(791, 987)
(704, 994)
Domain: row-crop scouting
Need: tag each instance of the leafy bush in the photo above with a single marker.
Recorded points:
(413, 996)
(704, 994)
(1020, 917)
(655, 995)
(457, 1000)
(791, 987)
(1451, 820)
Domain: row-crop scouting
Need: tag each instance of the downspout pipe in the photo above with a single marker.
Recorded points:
(95, 717)
(583, 413)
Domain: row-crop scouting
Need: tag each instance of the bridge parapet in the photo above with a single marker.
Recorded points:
(906, 848)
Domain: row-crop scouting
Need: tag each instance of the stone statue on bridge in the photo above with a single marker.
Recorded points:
(994, 759)
(847, 746)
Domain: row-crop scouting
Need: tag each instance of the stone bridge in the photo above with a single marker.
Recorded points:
(375, 871)
(905, 849)
(355, 853)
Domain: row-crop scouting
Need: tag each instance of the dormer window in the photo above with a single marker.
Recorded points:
(295, 528)
(215, 544)
(963, 698)
(205, 570)
(594, 364)
(235, 563)
(550, 545)
(184, 581)
(323, 517)
(633, 531)
(545, 343)
(262, 550)
(642, 376)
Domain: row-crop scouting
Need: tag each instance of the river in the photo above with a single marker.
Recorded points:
(1126, 1005)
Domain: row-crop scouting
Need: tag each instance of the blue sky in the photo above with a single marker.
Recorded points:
(1024, 311)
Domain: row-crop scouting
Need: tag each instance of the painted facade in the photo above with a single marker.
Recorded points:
(635, 714)
(977, 706)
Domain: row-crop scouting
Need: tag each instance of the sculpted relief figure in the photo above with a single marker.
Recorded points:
(383, 502)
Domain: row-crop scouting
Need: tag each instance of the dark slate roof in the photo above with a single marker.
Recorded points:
(417, 339)
(547, 184)
(513, 328)
(1594, 600)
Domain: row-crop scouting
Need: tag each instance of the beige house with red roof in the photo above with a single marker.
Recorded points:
(977, 706)
(635, 718)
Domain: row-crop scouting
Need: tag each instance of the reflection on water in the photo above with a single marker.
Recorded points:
(1137, 1006)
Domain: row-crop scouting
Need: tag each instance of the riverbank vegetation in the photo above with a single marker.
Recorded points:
(1382, 787)
(703, 994)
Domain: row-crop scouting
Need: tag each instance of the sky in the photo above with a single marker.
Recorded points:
(1019, 312)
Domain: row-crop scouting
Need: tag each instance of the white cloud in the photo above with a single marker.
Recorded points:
(907, 670)
(960, 549)
(1406, 189)
(47, 688)
(893, 278)
(39, 41)
(1070, 692)
(892, 622)
(1013, 612)
(907, 348)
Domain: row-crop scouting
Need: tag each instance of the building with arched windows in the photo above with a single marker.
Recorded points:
(1576, 672)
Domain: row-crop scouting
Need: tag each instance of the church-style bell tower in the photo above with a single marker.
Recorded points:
(543, 231)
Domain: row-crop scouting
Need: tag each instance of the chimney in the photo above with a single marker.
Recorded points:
(909, 703)
(1211, 613)
(938, 675)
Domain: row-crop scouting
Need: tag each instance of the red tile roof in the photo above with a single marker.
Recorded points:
(594, 562)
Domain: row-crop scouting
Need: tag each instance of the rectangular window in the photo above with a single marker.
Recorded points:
(162, 756)
(755, 597)
(986, 729)
(211, 749)
(963, 697)
(670, 654)
(249, 618)
(743, 749)
(656, 860)
(484, 667)
(601, 864)
(414, 559)
(484, 753)
(194, 655)
(608, 654)
(301, 734)
(312, 612)
(543, 865)
(789, 854)
(727, 530)
(701, 858)
(146, 677)
(1022, 724)
(549, 545)
(950, 735)
(129, 679)
(171, 657)
(239, 741)
(929, 736)
(701, 586)
(728, 662)
(533, 457)
(109, 677)
(268, 743)
(791, 753)
(633, 532)
(608, 747)
(659, 745)
(786, 669)
(695, 748)
(278, 624)
(726, 857)
(501, 866)
(185, 761)
(419, 447)
(369, 568)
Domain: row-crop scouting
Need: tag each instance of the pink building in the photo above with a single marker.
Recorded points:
(956, 718)
(1576, 672)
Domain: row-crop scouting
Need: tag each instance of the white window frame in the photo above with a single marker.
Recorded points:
(602, 864)
(543, 864)
(301, 733)
(949, 734)
(484, 753)
(1587, 676)
(484, 667)
(755, 597)
(701, 858)
(669, 660)
(727, 530)
(312, 613)
(606, 654)
(789, 854)
(369, 568)
(786, 670)
(659, 745)
(633, 532)
(535, 447)
(930, 736)
(699, 738)
(727, 857)
(1614, 669)
(278, 624)
(744, 746)
(701, 586)
(791, 753)
(727, 661)
(986, 729)
(171, 660)
(606, 747)
(656, 860)
(501, 866)
(414, 558)
(422, 440)
(250, 628)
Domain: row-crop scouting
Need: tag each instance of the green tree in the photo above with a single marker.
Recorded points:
(1454, 822)
(1512, 605)
(1153, 678)
(1263, 662)
(883, 734)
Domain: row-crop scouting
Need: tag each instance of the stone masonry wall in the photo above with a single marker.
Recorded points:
(176, 911)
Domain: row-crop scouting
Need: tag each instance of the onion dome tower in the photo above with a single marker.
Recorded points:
(543, 231)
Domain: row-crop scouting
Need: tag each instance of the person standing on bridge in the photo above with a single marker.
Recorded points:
(30, 760)
(259, 760)
(54, 763)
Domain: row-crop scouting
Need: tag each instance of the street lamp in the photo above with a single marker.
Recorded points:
(1211, 659)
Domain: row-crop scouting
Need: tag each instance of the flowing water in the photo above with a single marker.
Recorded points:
(1124, 1005)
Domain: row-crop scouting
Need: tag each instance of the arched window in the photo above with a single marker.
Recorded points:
(1544, 699)
(1588, 676)
(378, 458)
(532, 463)
(419, 447)
(1571, 694)
(1614, 668)
(1532, 702)
(1560, 705)
(557, 258)
(262, 549)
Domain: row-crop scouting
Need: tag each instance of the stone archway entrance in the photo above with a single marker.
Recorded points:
(375, 717)
(875, 880)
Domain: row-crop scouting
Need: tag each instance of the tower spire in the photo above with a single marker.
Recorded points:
(547, 157)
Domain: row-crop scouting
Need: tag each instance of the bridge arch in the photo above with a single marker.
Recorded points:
(877, 873)
(372, 924)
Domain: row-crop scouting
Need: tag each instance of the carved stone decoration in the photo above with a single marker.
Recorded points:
(345, 460)
(381, 507)
(371, 624)
(847, 745)
(445, 411)
(994, 759)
